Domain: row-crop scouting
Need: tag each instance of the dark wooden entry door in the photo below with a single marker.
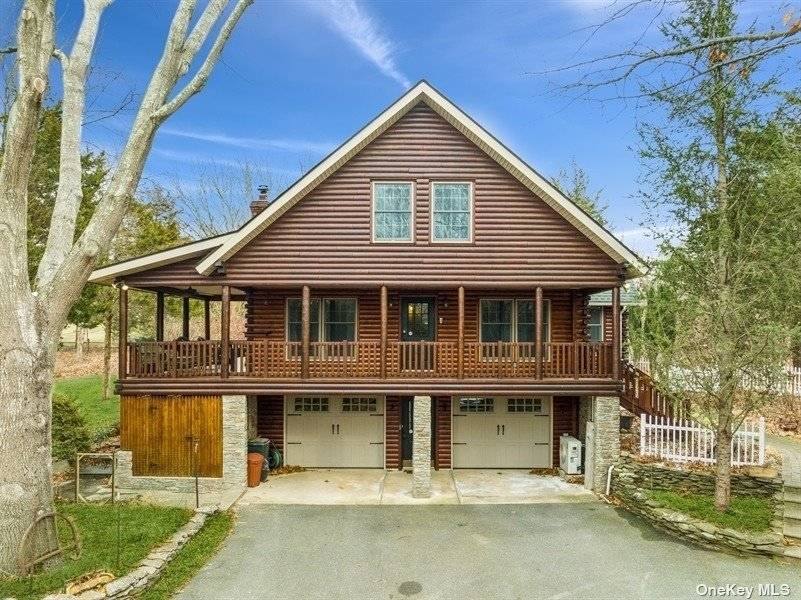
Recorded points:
(417, 320)
(418, 332)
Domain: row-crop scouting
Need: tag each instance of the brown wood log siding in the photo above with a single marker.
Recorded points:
(266, 312)
(159, 431)
(392, 439)
(270, 419)
(326, 237)
(565, 420)
(442, 456)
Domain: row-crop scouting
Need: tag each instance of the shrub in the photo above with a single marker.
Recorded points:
(70, 432)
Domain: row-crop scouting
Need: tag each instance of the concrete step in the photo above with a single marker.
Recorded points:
(793, 552)
(792, 511)
(792, 494)
(792, 529)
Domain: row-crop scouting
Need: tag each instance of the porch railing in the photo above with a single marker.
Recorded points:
(268, 359)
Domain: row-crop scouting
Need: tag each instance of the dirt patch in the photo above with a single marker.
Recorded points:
(70, 365)
(544, 471)
(287, 470)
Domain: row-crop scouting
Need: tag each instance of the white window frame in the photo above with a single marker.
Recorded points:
(320, 325)
(602, 324)
(546, 301)
(412, 211)
(470, 207)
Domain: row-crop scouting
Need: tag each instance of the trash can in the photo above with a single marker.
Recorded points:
(262, 446)
(255, 461)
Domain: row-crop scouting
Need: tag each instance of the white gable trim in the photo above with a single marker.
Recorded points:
(478, 135)
(157, 259)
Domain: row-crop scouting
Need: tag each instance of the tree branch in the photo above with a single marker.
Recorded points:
(202, 76)
(69, 192)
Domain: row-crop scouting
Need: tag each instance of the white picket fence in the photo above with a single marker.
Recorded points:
(681, 440)
(790, 386)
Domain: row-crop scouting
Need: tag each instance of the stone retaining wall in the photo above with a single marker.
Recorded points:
(149, 568)
(631, 480)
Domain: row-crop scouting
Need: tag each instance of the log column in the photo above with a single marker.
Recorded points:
(206, 319)
(305, 318)
(123, 337)
(225, 331)
(185, 318)
(538, 333)
(616, 332)
(384, 312)
(460, 340)
(159, 316)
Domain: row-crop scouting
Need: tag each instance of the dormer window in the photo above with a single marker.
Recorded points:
(392, 212)
(452, 212)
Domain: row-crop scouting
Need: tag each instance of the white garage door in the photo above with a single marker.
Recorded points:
(506, 433)
(326, 431)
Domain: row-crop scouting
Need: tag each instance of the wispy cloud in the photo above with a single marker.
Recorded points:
(251, 143)
(359, 28)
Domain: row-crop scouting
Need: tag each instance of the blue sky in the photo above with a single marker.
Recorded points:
(300, 77)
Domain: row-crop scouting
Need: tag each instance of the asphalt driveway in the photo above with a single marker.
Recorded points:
(467, 551)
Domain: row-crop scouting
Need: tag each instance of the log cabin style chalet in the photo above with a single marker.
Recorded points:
(422, 267)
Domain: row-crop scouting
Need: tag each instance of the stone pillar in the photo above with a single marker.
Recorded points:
(235, 440)
(253, 417)
(603, 446)
(421, 447)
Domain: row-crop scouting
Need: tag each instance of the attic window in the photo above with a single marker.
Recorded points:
(451, 209)
(392, 212)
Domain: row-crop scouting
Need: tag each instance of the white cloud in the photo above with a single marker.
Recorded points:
(363, 31)
(251, 143)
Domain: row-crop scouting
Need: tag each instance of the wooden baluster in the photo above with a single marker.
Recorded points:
(225, 331)
(123, 337)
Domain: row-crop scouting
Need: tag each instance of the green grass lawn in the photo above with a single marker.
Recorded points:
(101, 415)
(142, 527)
(745, 513)
(191, 558)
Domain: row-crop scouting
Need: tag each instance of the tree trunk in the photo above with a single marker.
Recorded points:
(25, 455)
(107, 354)
(723, 468)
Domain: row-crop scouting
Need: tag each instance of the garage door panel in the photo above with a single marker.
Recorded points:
(346, 435)
(494, 437)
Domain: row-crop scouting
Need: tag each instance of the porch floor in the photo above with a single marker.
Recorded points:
(376, 486)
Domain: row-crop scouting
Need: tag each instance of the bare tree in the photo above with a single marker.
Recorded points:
(33, 311)
(722, 303)
(215, 198)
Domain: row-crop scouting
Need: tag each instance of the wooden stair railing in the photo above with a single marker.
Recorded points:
(640, 393)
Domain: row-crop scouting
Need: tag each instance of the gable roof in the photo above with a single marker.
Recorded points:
(424, 92)
(109, 273)
(628, 297)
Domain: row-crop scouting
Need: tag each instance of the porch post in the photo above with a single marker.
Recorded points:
(384, 298)
(225, 331)
(538, 333)
(185, 318)
(461, 332)
(305, 317)
(159, 316)
(616, 332)
(123, 336)
(206, 319)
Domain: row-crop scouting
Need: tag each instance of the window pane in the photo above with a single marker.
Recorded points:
(339, 321)
(451, 211)
(526, 323)
(496, 320)
(595, 325)
(294, 330)
(392, 211)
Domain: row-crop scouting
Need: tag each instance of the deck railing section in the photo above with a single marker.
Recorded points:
(362, 360)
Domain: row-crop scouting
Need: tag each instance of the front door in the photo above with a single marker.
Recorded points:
(417, 320)
(418, 327)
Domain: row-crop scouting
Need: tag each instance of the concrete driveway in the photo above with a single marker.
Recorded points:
(376, 486)
(585, 550)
